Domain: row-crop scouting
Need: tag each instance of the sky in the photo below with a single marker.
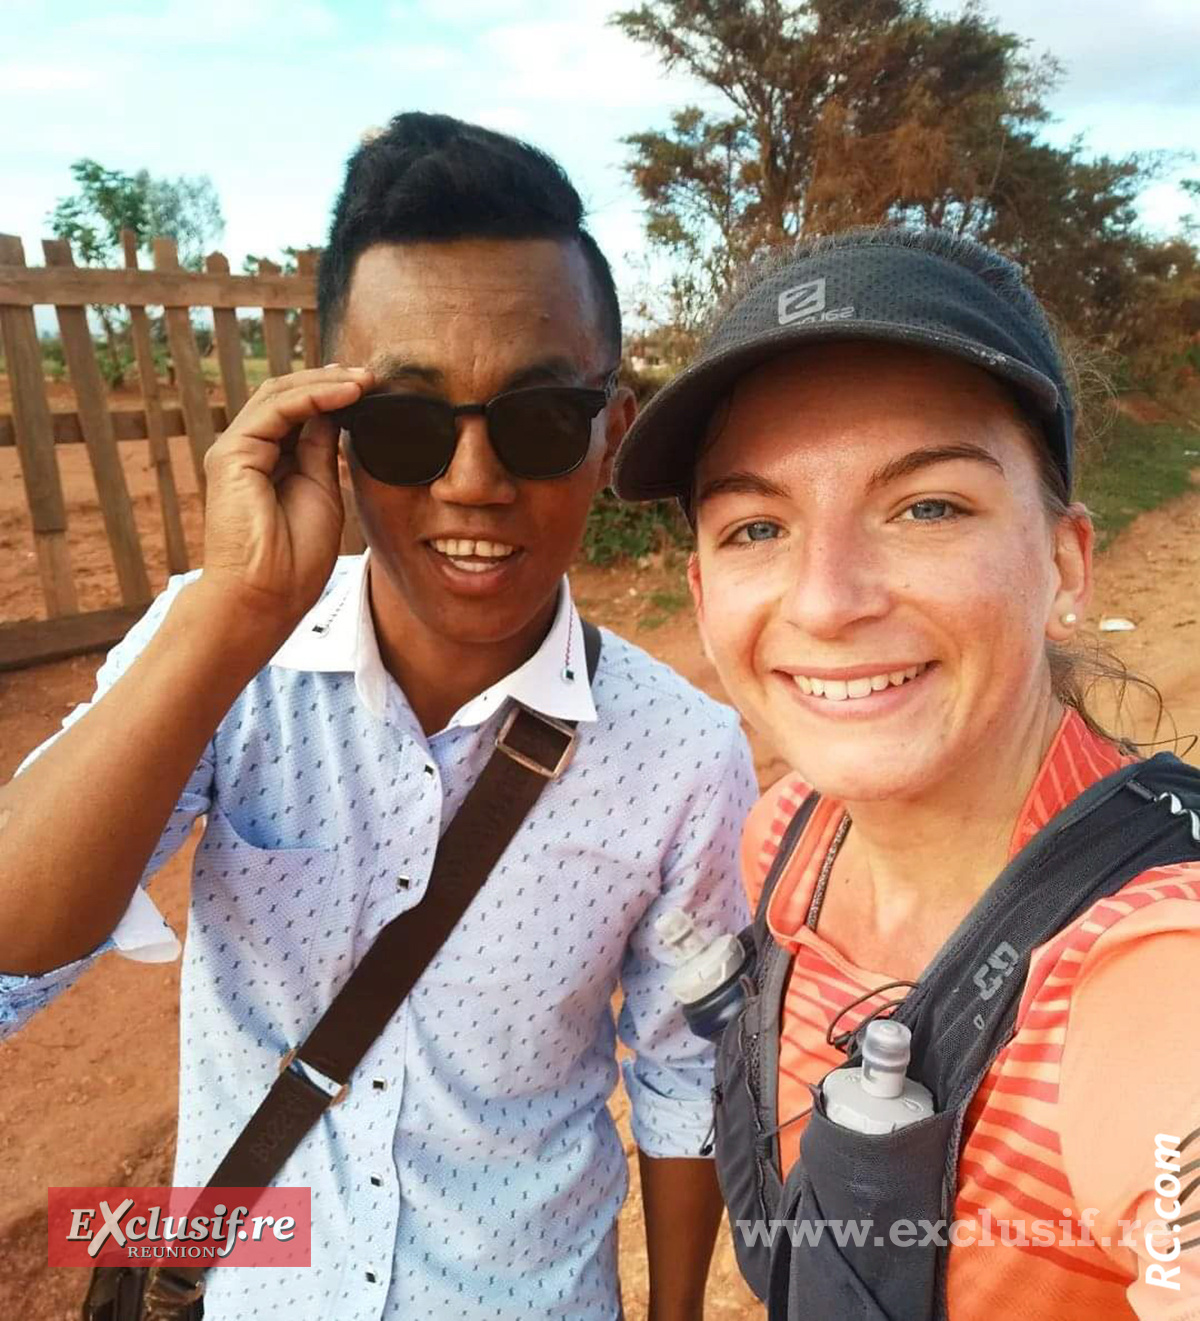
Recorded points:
(268, 98)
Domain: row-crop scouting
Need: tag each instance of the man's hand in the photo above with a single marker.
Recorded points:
(273, 517)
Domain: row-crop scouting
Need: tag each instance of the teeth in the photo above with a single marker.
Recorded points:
(842, 690)
(457, 548)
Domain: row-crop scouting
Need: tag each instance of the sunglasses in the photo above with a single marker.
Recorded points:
(409, 439)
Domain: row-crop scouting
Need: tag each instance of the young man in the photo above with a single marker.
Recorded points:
(328, 717)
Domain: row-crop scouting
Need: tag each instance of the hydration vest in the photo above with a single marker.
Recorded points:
(961, 1013)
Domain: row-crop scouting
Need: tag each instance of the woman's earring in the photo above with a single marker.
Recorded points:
(1070, 618)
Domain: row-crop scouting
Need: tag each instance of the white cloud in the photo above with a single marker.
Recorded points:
(1112, 52)
(404, 58)
(215, 23)
(35, 77)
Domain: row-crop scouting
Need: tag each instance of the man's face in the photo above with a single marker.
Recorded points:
(870, 518)
(463, 321)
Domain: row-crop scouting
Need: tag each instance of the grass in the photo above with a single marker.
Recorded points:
(663, 603)
(1137, 466)
(257, 370)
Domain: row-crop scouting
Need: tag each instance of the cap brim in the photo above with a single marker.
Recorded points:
(658, 455)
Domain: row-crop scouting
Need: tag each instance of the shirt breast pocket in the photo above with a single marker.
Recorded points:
(260, 914)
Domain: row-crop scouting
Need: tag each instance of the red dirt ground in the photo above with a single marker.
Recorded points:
(89, 1088)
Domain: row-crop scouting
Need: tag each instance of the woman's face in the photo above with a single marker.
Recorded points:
(876, 577)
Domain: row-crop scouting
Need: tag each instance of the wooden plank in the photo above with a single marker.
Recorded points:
(275, 332)
(156, 430)
(22, 286)
(229, 344)
(190, 379)
(92, 403)
(127, 424)
(32, 642)
(310, 326)
(34, 437)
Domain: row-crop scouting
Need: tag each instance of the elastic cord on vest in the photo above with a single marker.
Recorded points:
(843, 1039)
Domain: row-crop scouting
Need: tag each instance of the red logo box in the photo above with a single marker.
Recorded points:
(193, 1226)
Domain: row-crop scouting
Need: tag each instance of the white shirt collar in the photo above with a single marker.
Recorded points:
(338, 635)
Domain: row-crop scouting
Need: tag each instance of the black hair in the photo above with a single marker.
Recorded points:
(431, 178)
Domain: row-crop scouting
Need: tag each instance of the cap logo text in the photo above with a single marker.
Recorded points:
(802, 302)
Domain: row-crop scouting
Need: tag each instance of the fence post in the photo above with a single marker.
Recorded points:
(310, 328)
(96, 425)
(275, 331)
(34, 433)
(229, 345)
(193, 398)
(156, 431)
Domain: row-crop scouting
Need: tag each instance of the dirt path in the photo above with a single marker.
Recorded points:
(89, 1087)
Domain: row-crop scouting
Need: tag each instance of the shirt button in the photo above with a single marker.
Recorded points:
(402, 882)
(376, 1181)
(428, 769)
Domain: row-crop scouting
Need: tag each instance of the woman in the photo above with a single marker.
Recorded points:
(876, 450)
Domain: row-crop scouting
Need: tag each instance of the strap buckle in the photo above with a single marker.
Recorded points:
(336, 1097)
(168, 1294)
(522, 758)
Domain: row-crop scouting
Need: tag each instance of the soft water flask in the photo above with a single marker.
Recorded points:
(878, 1097)
(708, 976)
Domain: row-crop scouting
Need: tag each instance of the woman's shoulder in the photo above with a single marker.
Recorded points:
(1163, 903)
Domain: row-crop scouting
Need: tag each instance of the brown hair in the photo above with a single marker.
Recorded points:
(1078, 668)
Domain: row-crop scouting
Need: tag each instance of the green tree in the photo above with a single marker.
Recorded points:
(108, 201)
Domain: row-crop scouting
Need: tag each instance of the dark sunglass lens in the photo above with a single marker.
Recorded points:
(543, 432)
(403, 440)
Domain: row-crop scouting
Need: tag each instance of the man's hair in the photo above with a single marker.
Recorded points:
(431, 178)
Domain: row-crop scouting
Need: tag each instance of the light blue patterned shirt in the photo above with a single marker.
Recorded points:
(473, 1170)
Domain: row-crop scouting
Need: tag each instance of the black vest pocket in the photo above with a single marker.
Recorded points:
(856, 1217)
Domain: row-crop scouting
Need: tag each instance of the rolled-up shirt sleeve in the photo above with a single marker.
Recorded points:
(142, 934)
(670, 1076)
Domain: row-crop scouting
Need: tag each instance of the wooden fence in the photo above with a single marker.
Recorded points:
(36, 430)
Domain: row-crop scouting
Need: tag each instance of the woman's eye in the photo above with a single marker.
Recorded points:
(930, 511)
(760, 530)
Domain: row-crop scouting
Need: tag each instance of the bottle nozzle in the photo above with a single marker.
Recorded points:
(886, 1051)
(678, 933)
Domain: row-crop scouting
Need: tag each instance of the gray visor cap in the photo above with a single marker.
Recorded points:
(882, 290)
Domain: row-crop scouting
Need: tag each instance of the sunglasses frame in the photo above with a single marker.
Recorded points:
(585, 395)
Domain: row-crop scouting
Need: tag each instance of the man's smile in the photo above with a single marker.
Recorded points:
(471, 554)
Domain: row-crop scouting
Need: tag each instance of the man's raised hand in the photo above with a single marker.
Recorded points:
(273, 517)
